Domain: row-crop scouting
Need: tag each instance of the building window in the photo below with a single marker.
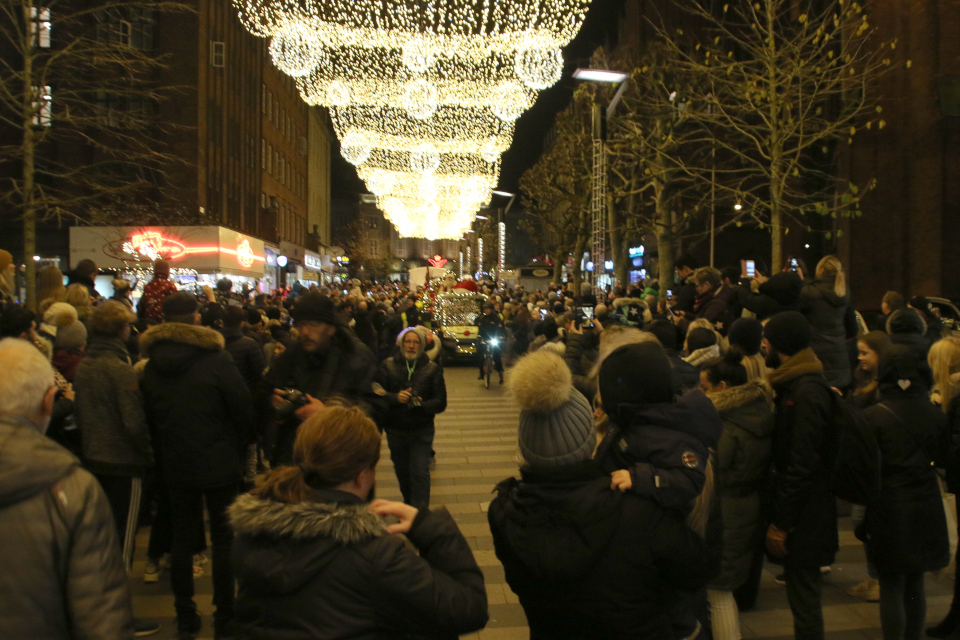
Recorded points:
(40, 26)
(42, 106)
(218, 54)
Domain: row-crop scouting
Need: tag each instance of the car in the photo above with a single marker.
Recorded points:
(949, 313)
(456, 318)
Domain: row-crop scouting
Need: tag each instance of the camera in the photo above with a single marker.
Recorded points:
(293, 400)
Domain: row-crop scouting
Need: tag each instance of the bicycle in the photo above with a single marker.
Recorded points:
(488, 363)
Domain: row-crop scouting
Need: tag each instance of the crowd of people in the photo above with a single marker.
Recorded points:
(669, 445)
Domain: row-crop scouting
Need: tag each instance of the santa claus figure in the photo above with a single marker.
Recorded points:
(449, 282)
(467, 283)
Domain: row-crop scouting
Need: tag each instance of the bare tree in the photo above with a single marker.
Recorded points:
(790, 82)
(363, 247)
(556, 190)
(79, 94)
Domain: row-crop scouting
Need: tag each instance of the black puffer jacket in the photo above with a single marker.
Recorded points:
(62, 572)
(804, 454)
(588, 562)
(198, 407)
(825, 311)
(247, 354)
(907, 328)
(427, 383)
(318, 570)
(780, 293)
(906, 529)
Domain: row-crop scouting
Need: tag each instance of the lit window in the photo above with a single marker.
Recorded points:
(40, 26)
(218, 54)
(43, 106)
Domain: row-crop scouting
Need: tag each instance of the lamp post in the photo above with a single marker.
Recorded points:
(598, 252)
(502, 234)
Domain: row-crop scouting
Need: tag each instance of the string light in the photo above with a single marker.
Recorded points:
(503, 247)
(420, 90)
(479, 255)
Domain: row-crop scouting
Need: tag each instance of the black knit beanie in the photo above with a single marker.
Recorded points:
(746, 333)
(635, 374)
(788, 333)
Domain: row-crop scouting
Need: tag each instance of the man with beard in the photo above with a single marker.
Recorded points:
(803, 534)
(327, 360)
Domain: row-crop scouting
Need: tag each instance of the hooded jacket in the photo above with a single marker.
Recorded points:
(328, 569)
(63, 575)
(198, 406)
(804, 454)
(589, 562)
(744, 458)
(825, 311)
(780, 293)
(906, 327)
(631, 312)
(109, 411)
(247, 354)
(664, 446)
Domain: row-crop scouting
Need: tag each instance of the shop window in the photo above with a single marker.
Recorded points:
(43, 106)
(218, 54)
(40, 26)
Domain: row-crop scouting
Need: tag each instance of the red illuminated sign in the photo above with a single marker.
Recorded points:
(437, 261)
(154, 245)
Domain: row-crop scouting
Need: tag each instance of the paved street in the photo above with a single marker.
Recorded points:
(476, 447)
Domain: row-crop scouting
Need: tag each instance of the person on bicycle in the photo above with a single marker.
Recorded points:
(492, 335)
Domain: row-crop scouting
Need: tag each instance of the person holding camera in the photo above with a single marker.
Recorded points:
(416, 391)
(327, 360)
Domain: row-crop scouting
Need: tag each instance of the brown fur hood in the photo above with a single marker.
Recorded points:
(735, 397)
(344, 523)
(188, 334)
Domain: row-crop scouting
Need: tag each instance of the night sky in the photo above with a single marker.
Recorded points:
(600, 25)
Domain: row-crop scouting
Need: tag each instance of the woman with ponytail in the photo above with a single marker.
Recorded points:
(824, 303)
(315, 559)
(743, 457)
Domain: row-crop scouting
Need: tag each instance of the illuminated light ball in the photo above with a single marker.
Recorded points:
(417, 55)
(381, 183)
(394, 207)
(420, 99)
(538, 67)
(427, 187)
(425, 159)
(475, 189)
(355, 148)
(489, 151)
(296, 49)
(510, 101)
(337, 94)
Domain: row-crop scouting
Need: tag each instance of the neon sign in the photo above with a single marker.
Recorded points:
(437, 261)
(153, 245)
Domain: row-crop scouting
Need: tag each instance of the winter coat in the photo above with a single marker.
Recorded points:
(62, 572)
(589, 562)
(952, 462)
(907, 328)
(825, 312)
(198, 407)
(685, 295)
(702, 356)
(780, 293)
(715, 307)
(427, 383)
(87, 281)
(744, 458)
(247, 355)
(109, 411)
(686, 375)
(630, 312)
(906, 529)
(804, 455)
(364, 329)
(328, 569)
(66, 363)
(664, 446)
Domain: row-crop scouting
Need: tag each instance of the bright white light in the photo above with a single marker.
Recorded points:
(806, 246)
(36, 258)
(282, 261)
(479, 217)
(608, 264)
(599, 75)
(738, 206)
(502, 193)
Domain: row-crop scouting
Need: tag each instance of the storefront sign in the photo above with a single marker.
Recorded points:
(312, 262)
(636, 252)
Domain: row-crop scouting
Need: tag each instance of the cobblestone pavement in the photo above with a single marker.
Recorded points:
(476, 448)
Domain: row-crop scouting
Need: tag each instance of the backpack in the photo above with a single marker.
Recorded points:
(856, 469)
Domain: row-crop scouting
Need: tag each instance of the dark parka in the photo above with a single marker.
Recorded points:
(825, 311)
(62, 573)
(247, 353)
(744, 457)
(780, 293)
(427, 383)
(328, 569)
(804, 453)
(198, 407)
(589, 562)
(906, 529)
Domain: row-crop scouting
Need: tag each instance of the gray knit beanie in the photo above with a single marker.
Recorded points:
(71, 337)
(556, 421)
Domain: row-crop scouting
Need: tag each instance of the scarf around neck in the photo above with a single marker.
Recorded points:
(800, 364)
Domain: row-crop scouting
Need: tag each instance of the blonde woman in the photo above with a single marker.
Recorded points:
(944, 361)
(50, 287)
(78, 297)
(824, 303)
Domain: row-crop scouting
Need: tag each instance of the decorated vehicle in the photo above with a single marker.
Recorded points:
(456, 314)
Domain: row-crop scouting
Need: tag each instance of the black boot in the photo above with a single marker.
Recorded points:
(188, 624)
(947, 626)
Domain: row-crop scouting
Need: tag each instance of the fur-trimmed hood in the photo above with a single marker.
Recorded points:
(632, 312)
(173, 347)
(189, 334)
(739, 405)
(343, 523)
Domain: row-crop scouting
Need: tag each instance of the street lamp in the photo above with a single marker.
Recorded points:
(598, 251)
(502, 234)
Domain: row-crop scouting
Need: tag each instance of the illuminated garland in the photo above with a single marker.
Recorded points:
(423, 95)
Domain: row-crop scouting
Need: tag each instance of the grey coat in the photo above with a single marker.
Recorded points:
(825, 311)
(744, 458)
(109, 411)
(62, 573)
